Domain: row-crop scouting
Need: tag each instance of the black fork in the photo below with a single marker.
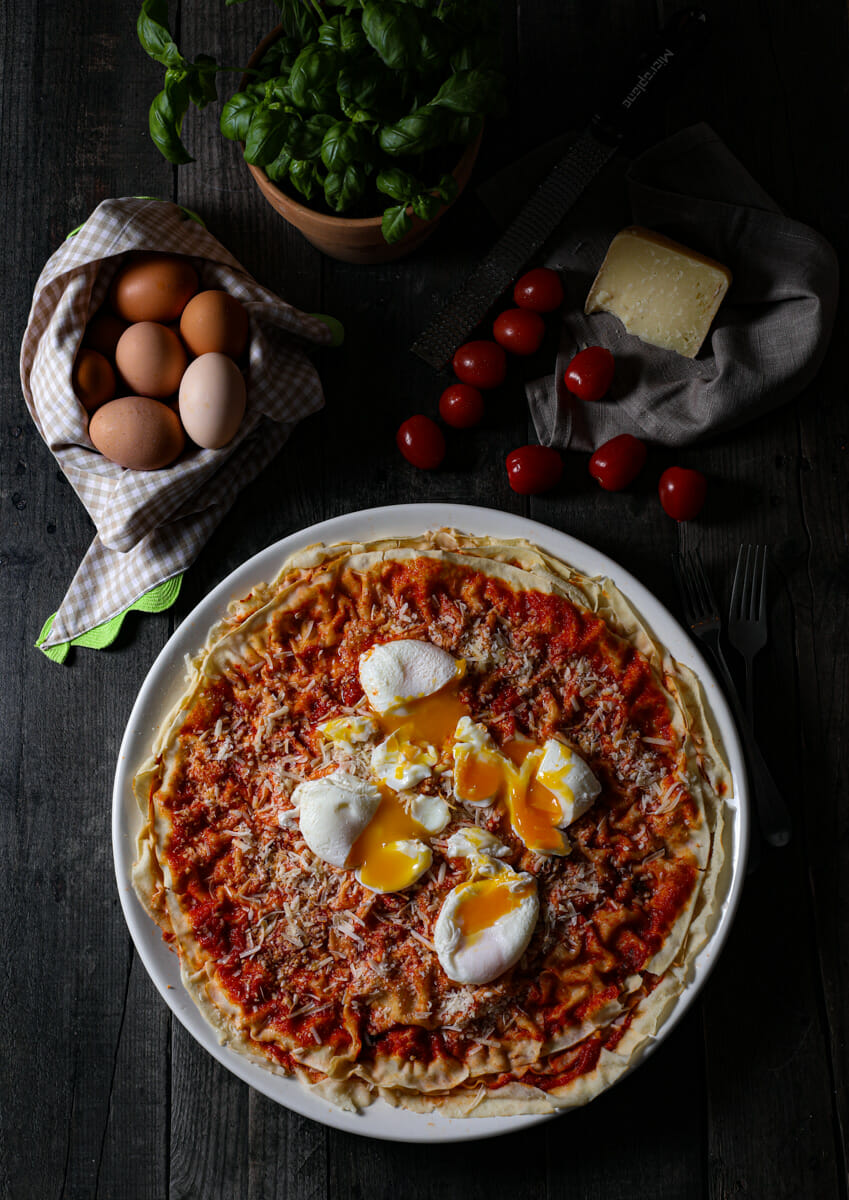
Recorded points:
(702, 614)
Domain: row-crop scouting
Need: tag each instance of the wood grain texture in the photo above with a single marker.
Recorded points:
(103, 1094)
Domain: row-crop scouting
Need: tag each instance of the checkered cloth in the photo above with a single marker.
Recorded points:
(152, 524)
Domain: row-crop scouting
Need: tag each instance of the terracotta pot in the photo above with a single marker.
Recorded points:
(358, 240)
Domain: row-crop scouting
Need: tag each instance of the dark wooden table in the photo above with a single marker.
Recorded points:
(103, 1093)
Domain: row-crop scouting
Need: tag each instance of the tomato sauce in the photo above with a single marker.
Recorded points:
(312, 657)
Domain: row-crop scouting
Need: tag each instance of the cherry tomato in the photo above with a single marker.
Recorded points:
(421, 442)
(461, 406)
(540, 290)
(590, 373)
(519, 330)
(482, 364)
(532, 469)
(682, 492)
(618, 462)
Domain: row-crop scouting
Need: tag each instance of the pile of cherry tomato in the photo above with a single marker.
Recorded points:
(482, 365)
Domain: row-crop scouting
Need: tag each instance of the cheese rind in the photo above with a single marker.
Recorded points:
(662, 292)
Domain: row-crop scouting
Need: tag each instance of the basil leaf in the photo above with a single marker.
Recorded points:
(363, 88)
(201, 79)
(165, 120)
(281, 93)
(396, 223)
(352, 40)
(298, 20)
(236, 116)
(343, 33)
(417, 133)
(312, 80)
(343, 143)
(426, 206)
(304, 138)
(328, 34)
(342, 189)
(278, 171)
(433, 46)
(154, 34)
(464, 130)
(447, 189)
(393, 31)
(303, 177)
(266, 136)
(471, 92)
(397, 184)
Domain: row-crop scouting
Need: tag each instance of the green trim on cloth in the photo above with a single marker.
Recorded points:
(154, 601)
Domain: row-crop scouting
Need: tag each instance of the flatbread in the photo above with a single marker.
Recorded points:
(299, 967)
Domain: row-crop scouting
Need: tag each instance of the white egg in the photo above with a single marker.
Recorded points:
(334, 811)
(212, 400)
(349, 731)
(401, 764)
(416, 858)
(473, 743)
(485, 925)
(473, 842)
(568, 777)
(395, 672)
(431, 812)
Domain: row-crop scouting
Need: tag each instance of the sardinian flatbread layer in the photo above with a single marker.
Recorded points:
(301, 967)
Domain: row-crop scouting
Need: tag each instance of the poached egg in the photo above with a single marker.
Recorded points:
(485, 923)
(393, 673)
(545, 788)
(353, 824)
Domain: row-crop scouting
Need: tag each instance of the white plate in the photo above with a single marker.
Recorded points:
(164, 684)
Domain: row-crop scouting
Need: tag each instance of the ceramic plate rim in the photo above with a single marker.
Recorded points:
(164, 682)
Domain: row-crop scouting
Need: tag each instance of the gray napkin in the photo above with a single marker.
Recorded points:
(767, 340)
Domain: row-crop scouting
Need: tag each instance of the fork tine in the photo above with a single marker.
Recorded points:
(707, 600)
(761, 613)
(752, 571)
(737, 587)
(683, 587)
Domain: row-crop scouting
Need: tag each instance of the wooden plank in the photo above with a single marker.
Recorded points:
(68, 94)
(209, 1125)
(287, 1153)
(133, 1162)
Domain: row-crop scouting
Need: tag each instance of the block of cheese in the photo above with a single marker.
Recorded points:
(662, 292)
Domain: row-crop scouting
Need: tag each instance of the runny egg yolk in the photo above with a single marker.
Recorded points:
(535, 811)
(432, 719)
(383, 866)
(482, 902)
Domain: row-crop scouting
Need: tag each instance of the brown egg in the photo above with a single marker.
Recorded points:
(215, 321)
(153, 287)
(103, 332)
(137, 432)
(93, 379)
(151, 358)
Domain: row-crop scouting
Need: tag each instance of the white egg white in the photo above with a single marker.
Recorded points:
(475, 843)
(431, 812)
(484, 955)
(569, 778)
(347, 732)
(400, 764)
(394, 673)
(334, 811)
